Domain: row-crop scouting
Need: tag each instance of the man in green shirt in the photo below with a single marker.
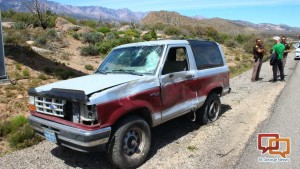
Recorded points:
(278, 48)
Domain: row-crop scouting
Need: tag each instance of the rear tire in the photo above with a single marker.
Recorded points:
(211, 109)
(130, 143)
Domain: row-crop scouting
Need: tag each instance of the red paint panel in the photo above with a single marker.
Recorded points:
(111, 111)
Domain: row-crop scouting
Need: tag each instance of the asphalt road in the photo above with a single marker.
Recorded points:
(284, 120)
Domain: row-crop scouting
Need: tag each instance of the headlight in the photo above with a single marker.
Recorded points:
(31, 103)
(31, 100)
(89, 114)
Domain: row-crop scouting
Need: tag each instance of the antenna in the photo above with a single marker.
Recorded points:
(3, 77)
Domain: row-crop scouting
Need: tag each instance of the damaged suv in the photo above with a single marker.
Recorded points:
(138, 86)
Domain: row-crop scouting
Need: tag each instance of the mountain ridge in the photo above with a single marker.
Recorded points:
(126, 15)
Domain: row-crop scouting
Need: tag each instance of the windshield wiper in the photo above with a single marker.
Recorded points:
(128, 71)
(101, 71)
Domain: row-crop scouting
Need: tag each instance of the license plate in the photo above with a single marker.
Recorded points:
(50, 135)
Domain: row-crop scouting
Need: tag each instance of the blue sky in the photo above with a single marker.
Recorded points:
(255, 11)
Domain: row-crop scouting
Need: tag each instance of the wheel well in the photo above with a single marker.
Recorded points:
(141, 112)
(217, 90)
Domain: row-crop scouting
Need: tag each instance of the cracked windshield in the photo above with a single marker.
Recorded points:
(133, 60)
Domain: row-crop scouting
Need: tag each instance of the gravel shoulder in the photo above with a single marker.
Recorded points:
(180, 143)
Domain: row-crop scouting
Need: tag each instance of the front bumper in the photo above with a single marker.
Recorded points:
(74, 138)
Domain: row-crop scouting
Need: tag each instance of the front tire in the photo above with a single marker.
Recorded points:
(130, 143)
(211, 109)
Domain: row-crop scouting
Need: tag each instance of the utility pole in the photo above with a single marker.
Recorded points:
(3, 76)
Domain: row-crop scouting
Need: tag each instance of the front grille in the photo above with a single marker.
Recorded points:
(50, 106)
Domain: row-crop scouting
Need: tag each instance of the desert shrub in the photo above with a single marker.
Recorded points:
(237, 58)
(48, 70)
(70, 19)
(13, 125)
(41, 40)
(89, 67)
(104, 30)
(132, 33)
(18, 66)
(110, 36)
(153, 34)
(89, 23)
(92, 37)
(64, 74)
(15, 37)
(23, 137)
(75, 35)
(90, 50)
(42, 77)
(172, 30)
(52, 33)
(147, 37)
(231, 43)
(17, 76)
(19, 25)
(107, 45)
(26, 73)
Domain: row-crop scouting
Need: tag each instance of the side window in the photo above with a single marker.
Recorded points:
(176, 60)
(207, 55)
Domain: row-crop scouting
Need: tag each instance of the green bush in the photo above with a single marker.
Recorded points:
(110, 36)
(41, 40)
(64, 74)
(7, 127)
(42, 77)
(231, 43)
(107, 45)
(104, 30)
(18, 66)
(75, 35)
(132, 33)
(26, 73)
(52, 33)
(89, 67)
(23, 137)
(89, 23)
(90, 50)
(92, 37)
(19, 25)
(172, 30)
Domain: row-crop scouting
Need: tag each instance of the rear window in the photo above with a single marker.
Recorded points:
(207, 54)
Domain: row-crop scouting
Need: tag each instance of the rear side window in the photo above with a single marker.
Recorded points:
(207, 54)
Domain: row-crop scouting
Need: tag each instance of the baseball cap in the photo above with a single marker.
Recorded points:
(276, 38)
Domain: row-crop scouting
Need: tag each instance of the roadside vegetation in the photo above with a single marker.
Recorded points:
(39, 54)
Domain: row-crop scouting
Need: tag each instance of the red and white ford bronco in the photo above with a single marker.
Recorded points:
(137, 86)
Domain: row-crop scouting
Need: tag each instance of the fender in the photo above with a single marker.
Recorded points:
(111, 112)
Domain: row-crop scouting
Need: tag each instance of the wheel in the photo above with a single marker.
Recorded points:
(130, 143)
(211, 109)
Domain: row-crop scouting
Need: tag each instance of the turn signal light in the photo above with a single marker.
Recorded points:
(32, 107)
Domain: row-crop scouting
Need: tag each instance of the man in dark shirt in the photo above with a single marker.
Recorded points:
(258, 54)
(286, 50)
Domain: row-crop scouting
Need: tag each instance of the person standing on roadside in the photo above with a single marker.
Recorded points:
(258, 54)
(286, 50)
(278, 48)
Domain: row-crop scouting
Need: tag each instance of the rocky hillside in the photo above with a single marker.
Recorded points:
(267, 27)
(173, 18)
(84, 12)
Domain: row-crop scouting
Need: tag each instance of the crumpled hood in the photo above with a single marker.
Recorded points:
(91, 83)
